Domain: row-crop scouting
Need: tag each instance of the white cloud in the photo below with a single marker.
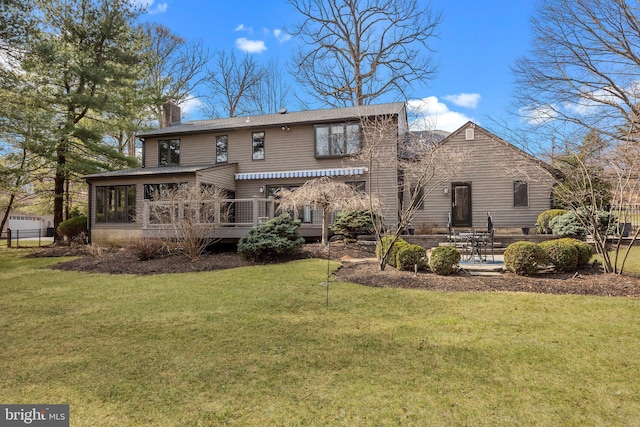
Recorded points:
(431, 114)
(538, 116)
(191, 106)
(250, 46)
(243, 28)
(282, 36)
(466, 100)
(162, 7)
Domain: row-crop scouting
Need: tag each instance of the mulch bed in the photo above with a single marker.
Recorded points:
(590, 281)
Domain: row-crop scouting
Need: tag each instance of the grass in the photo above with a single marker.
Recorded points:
(632, 264)
(258, 346)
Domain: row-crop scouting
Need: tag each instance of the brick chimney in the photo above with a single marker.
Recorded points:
(170, 114)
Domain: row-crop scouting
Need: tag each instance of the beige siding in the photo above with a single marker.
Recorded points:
(492, 167)
(221, 176)
(285, 150)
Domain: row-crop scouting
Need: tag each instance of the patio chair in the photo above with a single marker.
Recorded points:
(459, 240)
(487, 238)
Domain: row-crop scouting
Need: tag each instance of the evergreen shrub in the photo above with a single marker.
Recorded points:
(278, 237)
(524, 258)
(561, 253)
(351, 224)
(73, 227)
(585, 251)
(384, 243)
(409, 256)
(542, 223)
(444, 260)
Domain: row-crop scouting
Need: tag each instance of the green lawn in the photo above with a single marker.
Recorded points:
(632, 265)
(258, 346)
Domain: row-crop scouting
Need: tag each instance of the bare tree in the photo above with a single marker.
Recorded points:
(423, 166)
(188, 217)
(231, 82)
(324, 193)
(581, 76)
(583, 69)
(272, 93)
(175, 67)
(352, 52)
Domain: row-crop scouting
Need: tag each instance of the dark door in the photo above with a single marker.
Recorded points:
(461, 204)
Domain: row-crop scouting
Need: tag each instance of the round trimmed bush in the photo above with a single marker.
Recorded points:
(444, 260)
(562, 254)
(278, 237)
(73, 227)
(393, 253)
(409, 256)
(585, 251)
(524, 258)
(542, 223)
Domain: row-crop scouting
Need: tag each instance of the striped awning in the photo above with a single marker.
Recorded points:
(302, 174)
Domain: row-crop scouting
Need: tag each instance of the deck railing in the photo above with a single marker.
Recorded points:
(248, 213)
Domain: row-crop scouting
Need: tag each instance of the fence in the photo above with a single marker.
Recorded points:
(249, 212)
(630, 215)
(40, 235)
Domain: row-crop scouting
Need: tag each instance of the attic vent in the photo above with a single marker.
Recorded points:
(282, 111)
(469, 134)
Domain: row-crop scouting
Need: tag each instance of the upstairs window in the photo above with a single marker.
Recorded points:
(222, 145)
(337, 140)
(520, 194)
(169, 152)
(258, 146)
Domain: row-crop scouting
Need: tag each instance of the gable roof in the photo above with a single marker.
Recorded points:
(279, 119)
(553, 171)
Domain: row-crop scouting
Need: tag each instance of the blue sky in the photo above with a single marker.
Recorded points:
(478, 44)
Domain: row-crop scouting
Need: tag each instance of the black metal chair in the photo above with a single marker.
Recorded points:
(487, 238)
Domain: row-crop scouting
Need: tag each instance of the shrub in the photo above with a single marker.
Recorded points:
(567, 225)
(409, 256)
(524, 258)
(542, 223)
(73, 227)
(562, 254)
(353, 223)
(383, 244)
(585, 251)
(146, 248)
(570, 226)
(444, 260)
(275, 238)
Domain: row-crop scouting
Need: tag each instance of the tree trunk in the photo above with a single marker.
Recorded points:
(325, 225)
(6, 212)
(58, 190)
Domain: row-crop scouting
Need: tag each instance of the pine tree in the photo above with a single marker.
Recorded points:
(82, 55)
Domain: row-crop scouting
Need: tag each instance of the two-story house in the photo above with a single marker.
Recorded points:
(250, 158)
